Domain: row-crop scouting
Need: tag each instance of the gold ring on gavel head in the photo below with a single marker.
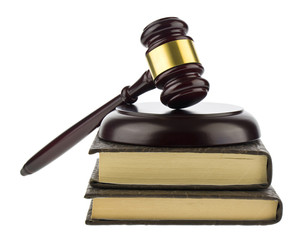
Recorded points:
(171, 54)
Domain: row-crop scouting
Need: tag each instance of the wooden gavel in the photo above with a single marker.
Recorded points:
(174, 68)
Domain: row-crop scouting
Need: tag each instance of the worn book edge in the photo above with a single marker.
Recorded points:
(268, 194)
(94, 181)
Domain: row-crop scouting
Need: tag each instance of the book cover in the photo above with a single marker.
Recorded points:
(242, 168)
(169, 207)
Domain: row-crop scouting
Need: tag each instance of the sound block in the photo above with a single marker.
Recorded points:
(204, 124)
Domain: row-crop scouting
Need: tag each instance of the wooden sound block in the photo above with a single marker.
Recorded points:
(204, 124)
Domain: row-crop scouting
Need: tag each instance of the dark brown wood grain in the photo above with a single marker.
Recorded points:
(182, 85)
(77, 132)
(205, 124)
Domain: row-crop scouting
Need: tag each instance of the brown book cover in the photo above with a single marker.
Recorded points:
(264, 194)
(252, 148)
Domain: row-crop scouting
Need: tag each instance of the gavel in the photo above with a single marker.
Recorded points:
(173, 67)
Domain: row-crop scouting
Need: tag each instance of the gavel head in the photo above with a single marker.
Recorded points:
(173, 63)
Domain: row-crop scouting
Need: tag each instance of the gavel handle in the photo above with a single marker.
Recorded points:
(77, 132)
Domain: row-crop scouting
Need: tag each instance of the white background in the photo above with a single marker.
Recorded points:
(60, 60)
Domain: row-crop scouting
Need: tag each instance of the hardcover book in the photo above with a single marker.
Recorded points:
(238, 166)
(116, 206)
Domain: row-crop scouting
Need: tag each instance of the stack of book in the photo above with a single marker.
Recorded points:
(162, 185)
